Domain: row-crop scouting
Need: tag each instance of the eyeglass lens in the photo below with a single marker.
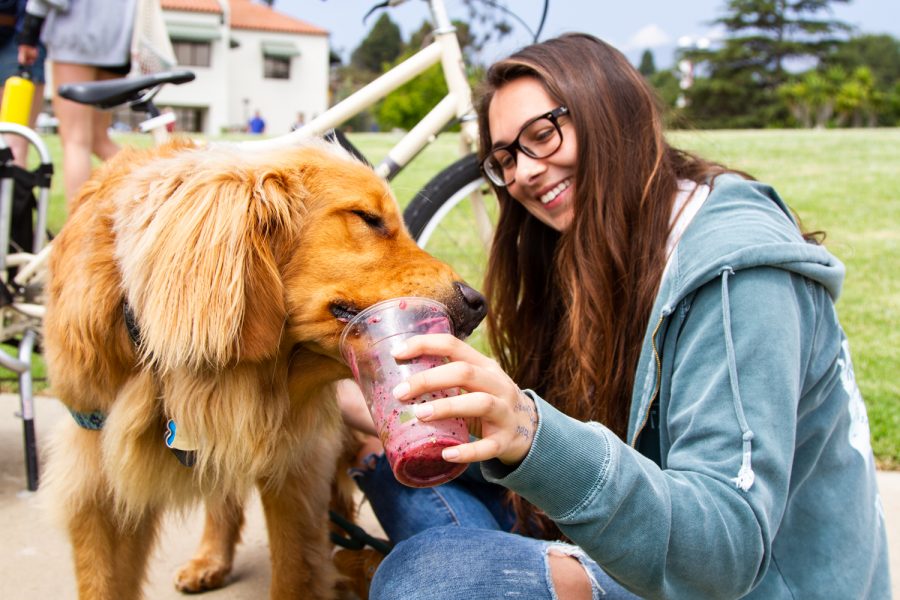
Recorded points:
(538, 139)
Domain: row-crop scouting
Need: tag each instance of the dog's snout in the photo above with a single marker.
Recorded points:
(472, 308)
(473, 298)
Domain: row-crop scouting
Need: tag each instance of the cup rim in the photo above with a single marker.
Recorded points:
(367, 312)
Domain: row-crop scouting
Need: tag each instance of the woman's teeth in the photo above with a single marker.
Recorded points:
(552, 194)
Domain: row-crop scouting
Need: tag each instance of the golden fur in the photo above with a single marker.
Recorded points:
(232, 263)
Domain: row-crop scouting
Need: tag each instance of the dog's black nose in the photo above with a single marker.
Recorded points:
(469, 310)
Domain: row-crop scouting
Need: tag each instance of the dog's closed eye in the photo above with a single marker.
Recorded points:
(342, 311)
(372, 220)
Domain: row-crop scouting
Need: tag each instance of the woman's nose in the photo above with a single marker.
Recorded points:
(527, 167)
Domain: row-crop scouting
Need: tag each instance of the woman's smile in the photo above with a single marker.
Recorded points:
(548, 198)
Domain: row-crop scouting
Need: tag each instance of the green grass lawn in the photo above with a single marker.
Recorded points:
(845, 182)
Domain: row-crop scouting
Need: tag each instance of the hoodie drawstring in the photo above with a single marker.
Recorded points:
(745, 476)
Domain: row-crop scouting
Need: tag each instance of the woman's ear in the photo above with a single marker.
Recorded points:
(195, 245)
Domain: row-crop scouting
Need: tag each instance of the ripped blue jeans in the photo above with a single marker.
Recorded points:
(454, 541)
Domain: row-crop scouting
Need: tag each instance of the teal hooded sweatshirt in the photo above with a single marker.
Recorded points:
(762, 482)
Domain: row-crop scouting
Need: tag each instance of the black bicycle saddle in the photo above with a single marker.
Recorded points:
(113, 92)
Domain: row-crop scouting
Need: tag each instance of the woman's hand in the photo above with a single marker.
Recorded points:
(508, 416)
(28, 55)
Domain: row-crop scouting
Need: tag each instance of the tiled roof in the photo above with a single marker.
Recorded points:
(246, 14)
(210, 6)
(250, 15)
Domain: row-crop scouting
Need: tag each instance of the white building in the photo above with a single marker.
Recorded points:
(247, 57)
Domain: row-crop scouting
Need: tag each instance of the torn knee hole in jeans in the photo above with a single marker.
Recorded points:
(568, 550)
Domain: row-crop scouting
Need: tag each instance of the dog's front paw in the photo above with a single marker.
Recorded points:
(202, 574)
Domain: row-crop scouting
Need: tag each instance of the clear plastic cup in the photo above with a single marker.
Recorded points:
(413, 448)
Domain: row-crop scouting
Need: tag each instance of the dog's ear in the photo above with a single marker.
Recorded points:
(197, 243)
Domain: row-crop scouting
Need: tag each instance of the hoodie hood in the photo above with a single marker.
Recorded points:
(743, 224)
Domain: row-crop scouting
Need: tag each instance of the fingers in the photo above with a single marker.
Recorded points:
(440, 344)
(27, 54)
(464, 405)
(476, 451)
(450, 376)
(508, 429)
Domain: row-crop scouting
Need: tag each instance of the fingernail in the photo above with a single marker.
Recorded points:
(450, 453)
(423, 411)
(400, 390)
(399, 348)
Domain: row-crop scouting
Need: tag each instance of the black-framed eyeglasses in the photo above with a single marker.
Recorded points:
(538, 138)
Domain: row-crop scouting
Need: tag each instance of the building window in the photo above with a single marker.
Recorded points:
(192, 54)
(187, 118)
(276, 67)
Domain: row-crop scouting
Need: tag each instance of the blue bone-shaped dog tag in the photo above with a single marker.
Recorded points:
(177, 439)
(181, 446)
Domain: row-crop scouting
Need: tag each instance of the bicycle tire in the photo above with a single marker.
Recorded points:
(453, 218)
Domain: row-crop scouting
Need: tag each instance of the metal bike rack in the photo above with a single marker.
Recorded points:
(22, 319)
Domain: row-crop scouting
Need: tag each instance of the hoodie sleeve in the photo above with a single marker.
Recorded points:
(689, 529)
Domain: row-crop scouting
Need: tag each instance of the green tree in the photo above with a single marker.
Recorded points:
(406, 106)
(647, 66)
(881, 55)
(469, 44)
(668, 90)
(381, 47)
(858, 101)
(743, 75)
(811, 97)
(892, 101)
(487, 21)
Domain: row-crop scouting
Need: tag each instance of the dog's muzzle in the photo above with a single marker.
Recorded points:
(467, 309)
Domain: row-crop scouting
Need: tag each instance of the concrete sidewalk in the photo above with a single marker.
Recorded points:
(35, 561)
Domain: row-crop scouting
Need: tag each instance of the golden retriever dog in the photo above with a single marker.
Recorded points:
(196, 300)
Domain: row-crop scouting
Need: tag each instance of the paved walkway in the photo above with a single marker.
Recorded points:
(35, 562)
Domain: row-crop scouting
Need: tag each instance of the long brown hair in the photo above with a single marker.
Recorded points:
(569, 310)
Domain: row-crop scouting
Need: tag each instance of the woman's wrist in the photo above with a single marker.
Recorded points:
(526, 428)
(31, 30)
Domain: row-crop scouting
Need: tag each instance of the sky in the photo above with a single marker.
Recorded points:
(631, 26)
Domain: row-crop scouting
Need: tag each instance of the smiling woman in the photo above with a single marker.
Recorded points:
(658, 311)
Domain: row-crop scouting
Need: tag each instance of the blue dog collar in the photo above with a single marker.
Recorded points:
(89, 420)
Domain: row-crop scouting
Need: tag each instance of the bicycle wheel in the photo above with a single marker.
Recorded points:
(453, 218)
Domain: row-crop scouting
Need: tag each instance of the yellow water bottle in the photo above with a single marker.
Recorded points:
(18, 92)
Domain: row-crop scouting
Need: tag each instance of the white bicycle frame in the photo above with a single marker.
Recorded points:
(456, 104)
(28, 263)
